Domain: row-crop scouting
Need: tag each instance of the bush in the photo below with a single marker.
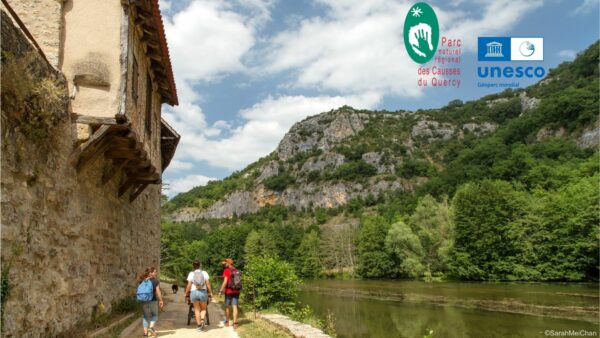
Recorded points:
(268, 282)
(412, 168)
(352, 171)
(279, 182)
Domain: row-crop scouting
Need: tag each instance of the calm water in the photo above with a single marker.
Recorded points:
(408, 309)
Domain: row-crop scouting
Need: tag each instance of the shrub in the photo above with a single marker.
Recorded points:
(279, 182)
(268, 281)
(352, 170)
(412, 168)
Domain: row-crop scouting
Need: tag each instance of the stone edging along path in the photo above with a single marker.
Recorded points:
(295, 328)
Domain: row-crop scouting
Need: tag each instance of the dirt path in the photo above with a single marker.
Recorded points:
(172, 321)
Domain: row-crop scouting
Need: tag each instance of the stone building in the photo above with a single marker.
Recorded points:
(83, 150)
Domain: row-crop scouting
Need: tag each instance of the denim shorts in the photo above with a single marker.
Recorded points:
(232, 299)
(199, 296)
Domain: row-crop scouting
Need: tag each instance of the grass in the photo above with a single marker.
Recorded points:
(115, 332)
(259, 328)
(120, 309)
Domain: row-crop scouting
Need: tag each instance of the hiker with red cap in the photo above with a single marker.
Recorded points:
(232, 284)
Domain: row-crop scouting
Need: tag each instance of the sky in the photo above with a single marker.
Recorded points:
(247, 70)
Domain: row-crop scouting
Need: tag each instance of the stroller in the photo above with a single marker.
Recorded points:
(191, 313)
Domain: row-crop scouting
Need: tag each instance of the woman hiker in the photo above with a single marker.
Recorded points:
(150, 308)
(198, 290)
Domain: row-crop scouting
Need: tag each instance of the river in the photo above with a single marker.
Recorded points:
(454, 309)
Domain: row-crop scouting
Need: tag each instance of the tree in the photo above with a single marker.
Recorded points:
(338, 246)
(308, 264)
(268, 281)
(259, 243)
(432, 223)
(487, 243)
(566, 243)
(402, 243)
(373, 260)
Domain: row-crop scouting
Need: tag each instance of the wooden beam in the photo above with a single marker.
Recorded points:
(113, 170)
(125, 186)
(96, 137)
(148, 41)
(92, 154)
(137, 192)
(145, 178)
(81, 154)
(124, 154)
(93, 119)
(139, 20)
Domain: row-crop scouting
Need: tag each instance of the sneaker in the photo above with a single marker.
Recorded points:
(201, 327)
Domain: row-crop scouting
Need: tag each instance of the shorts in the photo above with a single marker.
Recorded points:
(199, 296)
(232, 299)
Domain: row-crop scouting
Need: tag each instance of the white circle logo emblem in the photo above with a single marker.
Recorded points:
(527, 48)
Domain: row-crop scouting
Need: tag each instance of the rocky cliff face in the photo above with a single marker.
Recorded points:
(311, 148)
(329, 159)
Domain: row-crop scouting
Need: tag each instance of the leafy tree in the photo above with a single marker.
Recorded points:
(373, 261)
(432, 223)
(402, 243)
(308, 263)
(259, 243)
(566, 240)
(486, 243)
(268, 281)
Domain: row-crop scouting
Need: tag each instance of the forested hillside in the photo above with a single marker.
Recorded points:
(501, 188)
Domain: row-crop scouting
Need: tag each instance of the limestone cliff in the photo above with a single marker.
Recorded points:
(334, 157)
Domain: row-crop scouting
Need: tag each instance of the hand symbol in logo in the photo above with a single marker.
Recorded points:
(423, 40)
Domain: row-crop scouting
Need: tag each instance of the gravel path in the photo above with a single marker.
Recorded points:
(172, 321)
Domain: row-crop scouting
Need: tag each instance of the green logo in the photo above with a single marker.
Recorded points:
(421, 32)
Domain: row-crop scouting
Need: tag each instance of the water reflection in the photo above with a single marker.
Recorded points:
(362, 309)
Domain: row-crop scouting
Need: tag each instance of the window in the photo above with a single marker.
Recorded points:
(134, 80)
(148, 103)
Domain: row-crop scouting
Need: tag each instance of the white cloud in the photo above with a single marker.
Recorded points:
(207, 41)
(357, 48)
(496, 17)
(567, 54)
(186, 183)
(587, 6)
(164, 5)
(358, 45)
(177, 165)
(265, 124)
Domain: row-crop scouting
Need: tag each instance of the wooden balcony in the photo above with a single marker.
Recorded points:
(115, 141)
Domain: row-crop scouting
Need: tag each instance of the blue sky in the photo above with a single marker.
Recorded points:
(246, 70)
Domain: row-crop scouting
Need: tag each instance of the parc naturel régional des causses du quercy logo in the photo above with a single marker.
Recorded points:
(421, 32)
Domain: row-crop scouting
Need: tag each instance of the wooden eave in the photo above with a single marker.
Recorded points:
(115, 141)
(169, 139)
(149, 26)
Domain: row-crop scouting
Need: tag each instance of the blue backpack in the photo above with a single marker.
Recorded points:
(144, 291)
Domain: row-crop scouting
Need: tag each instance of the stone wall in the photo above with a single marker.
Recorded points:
(43, 19)
(68, 242)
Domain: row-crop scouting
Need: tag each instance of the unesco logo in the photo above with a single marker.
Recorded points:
(504, 48)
